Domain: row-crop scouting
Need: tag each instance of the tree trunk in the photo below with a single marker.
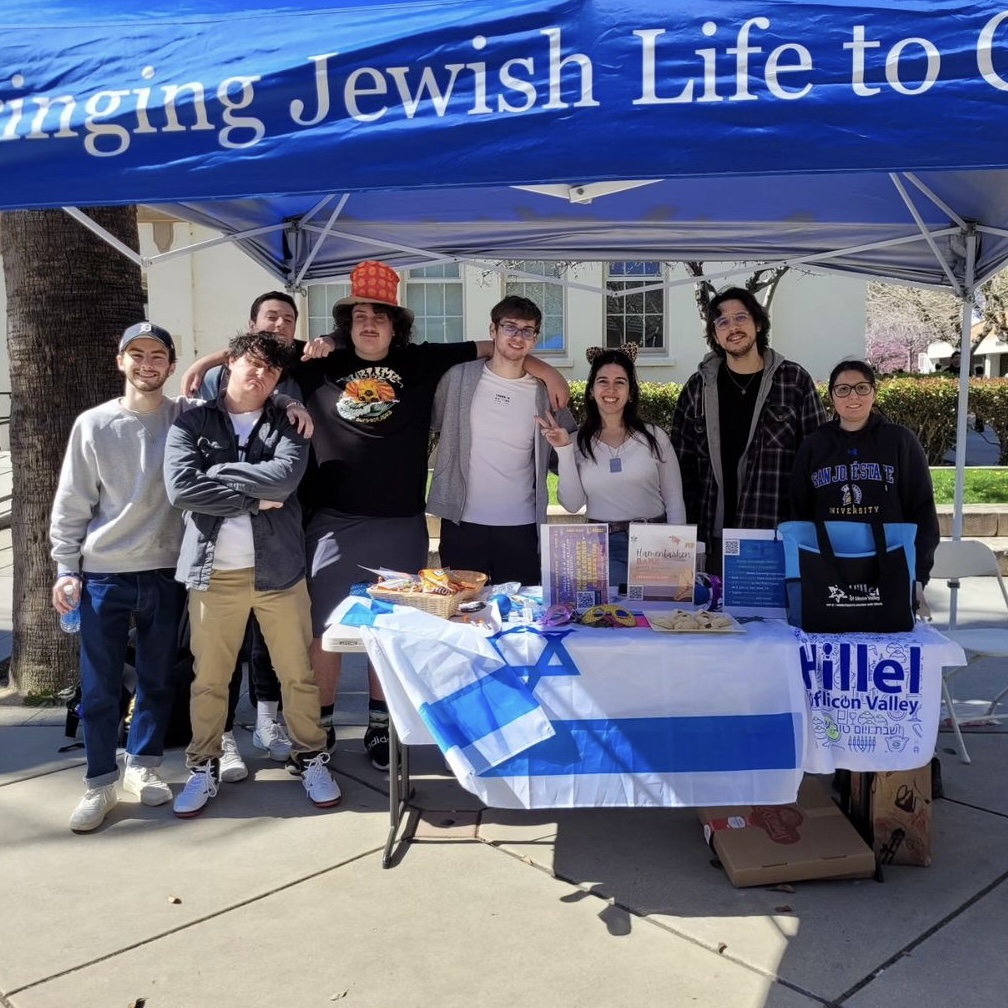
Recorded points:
(69, 297)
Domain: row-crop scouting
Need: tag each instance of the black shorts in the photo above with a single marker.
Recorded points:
(503, 553)
(339, 544)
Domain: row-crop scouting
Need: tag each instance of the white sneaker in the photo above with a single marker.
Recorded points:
(322, 790)
(93, 807)
(232, 766)
(198, 790)
(146, 785)
(271, 737)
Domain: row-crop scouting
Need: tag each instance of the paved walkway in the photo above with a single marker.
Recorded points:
(266, 901)
(982, 447)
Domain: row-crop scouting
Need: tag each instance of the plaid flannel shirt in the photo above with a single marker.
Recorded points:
(788, 408)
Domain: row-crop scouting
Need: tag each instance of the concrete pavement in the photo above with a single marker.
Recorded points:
(266, 901)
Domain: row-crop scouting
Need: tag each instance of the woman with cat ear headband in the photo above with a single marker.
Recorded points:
(623, 468)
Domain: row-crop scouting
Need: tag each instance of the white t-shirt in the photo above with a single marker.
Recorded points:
(500, 489)
(623, 483)
(235, 548)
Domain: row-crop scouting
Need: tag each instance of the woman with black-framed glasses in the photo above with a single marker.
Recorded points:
(861, 466)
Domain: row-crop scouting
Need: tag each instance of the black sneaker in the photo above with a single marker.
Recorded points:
(376, 745)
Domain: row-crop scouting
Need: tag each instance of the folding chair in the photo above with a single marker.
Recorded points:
(955, 560)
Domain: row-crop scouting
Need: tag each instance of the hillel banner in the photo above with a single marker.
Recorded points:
(873, 700)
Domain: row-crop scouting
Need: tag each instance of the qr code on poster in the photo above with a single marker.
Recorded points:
(731, 547)
(585, 600)
(635, 593)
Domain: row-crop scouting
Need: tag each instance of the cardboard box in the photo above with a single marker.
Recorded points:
(765, 844)
(899, 814)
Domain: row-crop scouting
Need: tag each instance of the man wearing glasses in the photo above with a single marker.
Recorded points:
(489, 484)
(738, 423)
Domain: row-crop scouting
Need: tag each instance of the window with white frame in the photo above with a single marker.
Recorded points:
(638, 316)
(434, 295)
(321, 298)
(548, 296)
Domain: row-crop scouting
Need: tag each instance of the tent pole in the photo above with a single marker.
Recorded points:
(106, 236)
(317, 247)
(228, 239)
(969, 295)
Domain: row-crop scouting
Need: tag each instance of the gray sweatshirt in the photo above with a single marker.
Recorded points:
(111, 514)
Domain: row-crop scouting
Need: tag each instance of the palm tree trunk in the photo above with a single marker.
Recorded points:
(69, 297)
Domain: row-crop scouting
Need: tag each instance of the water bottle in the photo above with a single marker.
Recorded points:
(70, 622)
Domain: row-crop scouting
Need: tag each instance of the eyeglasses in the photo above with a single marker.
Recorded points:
(722, 322)
(862, 389)
(509, 329)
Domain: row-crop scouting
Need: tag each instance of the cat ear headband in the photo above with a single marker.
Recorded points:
(627, 349)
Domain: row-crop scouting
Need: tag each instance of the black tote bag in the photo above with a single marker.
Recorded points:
(853, 590)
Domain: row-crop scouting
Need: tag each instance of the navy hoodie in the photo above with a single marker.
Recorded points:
(879, 473)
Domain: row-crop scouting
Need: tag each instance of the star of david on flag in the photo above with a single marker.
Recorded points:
(475, 706)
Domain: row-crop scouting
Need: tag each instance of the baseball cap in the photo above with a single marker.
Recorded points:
(147, 330)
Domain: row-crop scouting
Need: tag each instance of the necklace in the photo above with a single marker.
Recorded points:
(743, 387)
(615, 462)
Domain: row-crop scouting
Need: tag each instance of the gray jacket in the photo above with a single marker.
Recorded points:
(452, 403)
(204, 476)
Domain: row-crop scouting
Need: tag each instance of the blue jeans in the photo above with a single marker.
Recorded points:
(155, 600)
(619, 549)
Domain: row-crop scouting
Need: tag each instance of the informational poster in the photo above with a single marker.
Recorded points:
(575, 564)
(753, 573)
(661, 562)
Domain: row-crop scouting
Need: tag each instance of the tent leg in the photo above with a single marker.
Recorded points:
(969, 297)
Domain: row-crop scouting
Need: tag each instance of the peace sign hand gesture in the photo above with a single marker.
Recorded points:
(552, 431)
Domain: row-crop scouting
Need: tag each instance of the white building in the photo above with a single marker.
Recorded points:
(203, 299)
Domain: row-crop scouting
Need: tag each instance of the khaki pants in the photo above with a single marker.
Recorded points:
(218, 617)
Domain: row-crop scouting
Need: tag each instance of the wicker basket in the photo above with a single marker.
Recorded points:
(444, 606)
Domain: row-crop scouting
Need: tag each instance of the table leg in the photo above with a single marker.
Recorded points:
(399, 790)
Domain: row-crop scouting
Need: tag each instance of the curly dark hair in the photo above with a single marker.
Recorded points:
(592, 423)
(402, 324)
(758, 312)
(263, 345)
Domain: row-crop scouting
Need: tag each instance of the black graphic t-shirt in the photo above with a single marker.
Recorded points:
(372, 426)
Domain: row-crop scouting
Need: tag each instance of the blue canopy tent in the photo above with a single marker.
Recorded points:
(836, 136)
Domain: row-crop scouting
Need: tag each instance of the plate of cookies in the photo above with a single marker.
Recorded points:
(693, 621)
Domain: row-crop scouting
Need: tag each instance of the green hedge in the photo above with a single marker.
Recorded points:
(925, 404)
(988, 398)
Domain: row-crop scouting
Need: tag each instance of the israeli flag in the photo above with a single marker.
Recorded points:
(595, 717)
(469, 702)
